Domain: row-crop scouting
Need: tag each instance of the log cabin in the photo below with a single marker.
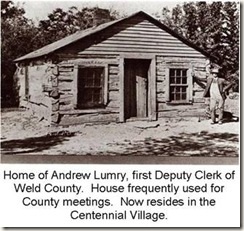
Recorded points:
(133, 68)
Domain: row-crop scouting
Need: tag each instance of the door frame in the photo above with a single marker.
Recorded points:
(152, 113)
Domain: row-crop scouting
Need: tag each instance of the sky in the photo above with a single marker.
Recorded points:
(38, 10)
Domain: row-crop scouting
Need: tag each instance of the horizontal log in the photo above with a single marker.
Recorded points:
(55, 107)
(66, 73)
(84, 119)
(64, 85)
(87, 111)
(113, 71)
(113, 84)
(66, 107)
(161, 88)
(198, 100)
(66, 69)
(66, 100)
(66, 78)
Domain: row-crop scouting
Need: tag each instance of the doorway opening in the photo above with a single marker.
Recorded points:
(136, 73)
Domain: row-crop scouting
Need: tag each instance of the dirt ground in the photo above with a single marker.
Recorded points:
(22, 133)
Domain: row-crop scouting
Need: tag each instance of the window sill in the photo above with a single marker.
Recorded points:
(85, 111)
(179, 103)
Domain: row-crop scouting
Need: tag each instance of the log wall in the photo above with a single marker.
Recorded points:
(37, 100)
(196, 105)
(67, 86)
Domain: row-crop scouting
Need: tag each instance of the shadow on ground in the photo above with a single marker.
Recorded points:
(33, 145)
(194, 144)
(184, 144)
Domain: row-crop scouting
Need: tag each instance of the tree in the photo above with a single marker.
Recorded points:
(213, 27)
(190, 21)
(60, 23)
(16, 34)
(20, 36)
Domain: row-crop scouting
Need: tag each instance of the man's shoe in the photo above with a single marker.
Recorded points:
(213, 122)
(220, 122)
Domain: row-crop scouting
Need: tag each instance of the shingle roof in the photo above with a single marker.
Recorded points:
(85, 33)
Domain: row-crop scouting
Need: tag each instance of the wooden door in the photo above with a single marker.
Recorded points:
(136, 88)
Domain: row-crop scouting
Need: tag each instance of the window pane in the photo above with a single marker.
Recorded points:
(90, 87)
(172, 80)
(178, 72)
(97, 81)
(184, 89)
(178, 89)
(183, 96)
(88, 82)
(172, 72)
(184, 80)
(97, 96)
(178, 80)
(87, 95)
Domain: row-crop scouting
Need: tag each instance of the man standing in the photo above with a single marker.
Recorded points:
(216, 89)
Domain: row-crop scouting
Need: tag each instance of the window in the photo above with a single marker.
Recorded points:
(178, 85)
(90, 87)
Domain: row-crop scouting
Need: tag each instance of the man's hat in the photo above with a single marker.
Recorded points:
(215, 70)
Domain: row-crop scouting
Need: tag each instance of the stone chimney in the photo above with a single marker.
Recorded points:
(101, 16)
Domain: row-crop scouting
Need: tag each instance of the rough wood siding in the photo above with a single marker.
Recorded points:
(67, 85)
(198, 66)
(37, 100)
(139, 36)
(113, 87)
(20, 76)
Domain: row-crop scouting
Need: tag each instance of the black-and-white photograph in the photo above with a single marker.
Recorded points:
(120, 82)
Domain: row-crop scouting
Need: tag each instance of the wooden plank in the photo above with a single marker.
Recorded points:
(64, 85)
(151, 45)
(190, 83)
(66, 100)
(106, 74)
(113, 70)
(66, 107)
(141, 29)
(138, 45)
(75, 86)
(72, 59)
(160, 87)
(66, 77)
(152, 90)
(167, 87)
(66, 73)
(159, 50)
(145, 35)
(113, 83)
(121, 88)
(66, 68)
(142, 39)
(138, 53)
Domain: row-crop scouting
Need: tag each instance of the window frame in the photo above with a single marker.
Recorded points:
(104, 86)
(188, 85)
